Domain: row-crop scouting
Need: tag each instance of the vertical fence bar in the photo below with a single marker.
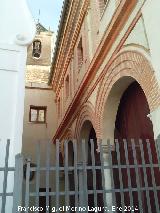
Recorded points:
(120, 173)
(18, 181)
(57, 174)
(5, 177)
(145, 173)
(27, 184)
(137, 174)
(75, 173)
(128, 172)
(80, 184)
(157, 145)
(93, 171)
(66, 173)
(38, 157)
(47, 174)
(85, 174)
(111, 168)
(152, 174)
(102, 172)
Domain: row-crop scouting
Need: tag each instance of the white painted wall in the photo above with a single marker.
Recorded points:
(17, 25)
(106, 17)
(151, 15)
(17, 31)
(138, 35)
(12, 65)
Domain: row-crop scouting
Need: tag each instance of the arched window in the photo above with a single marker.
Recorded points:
(59, 108)
(37, 48)
(67, 86)
(102, 4)
(118, 2)
(80, 53)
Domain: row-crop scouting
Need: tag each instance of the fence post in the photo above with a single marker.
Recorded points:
(157, 145)
(81, 184)
(106, 148)
(18, 181)
(5, 178)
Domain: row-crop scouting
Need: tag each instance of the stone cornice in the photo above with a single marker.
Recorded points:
(117, 23)
(72, 28)
(64, 43)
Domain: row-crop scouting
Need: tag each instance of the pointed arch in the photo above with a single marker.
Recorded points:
(132, 64)
(87, 112)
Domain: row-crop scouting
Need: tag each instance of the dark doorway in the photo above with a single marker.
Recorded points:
(92, 135)
(71, 173)
(42, 200)
(132, 122)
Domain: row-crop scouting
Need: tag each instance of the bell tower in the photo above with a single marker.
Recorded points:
(39, 56)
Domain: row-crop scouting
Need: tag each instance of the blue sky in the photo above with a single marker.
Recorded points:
(50, 11)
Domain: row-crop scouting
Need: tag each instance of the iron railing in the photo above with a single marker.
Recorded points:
(123, 176)
(16, 194)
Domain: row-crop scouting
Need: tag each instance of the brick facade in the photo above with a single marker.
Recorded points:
(105, 62)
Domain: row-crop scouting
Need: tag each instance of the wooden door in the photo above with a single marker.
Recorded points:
(132, 122)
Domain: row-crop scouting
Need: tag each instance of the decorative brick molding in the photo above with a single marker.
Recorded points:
(90, 79)
(68, 135)
(65, 48)
(132, 64)
(87, 113)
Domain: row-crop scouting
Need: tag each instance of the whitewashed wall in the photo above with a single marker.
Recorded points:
(151, 15)
(17, 32)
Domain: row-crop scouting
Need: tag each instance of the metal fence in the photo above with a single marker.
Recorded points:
(123, 176)
(16, 194)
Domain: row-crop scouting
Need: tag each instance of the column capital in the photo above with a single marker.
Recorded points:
(105, 148)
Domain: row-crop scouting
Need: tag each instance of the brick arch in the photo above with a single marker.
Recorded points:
(68, 135)
(127, 64)
(87, 113)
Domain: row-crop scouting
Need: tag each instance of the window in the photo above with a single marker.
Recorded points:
(67, 86)
(59, 108)
(37, 47)
(118, 2)
(80, 53)
(37, 114)
(102, 4)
